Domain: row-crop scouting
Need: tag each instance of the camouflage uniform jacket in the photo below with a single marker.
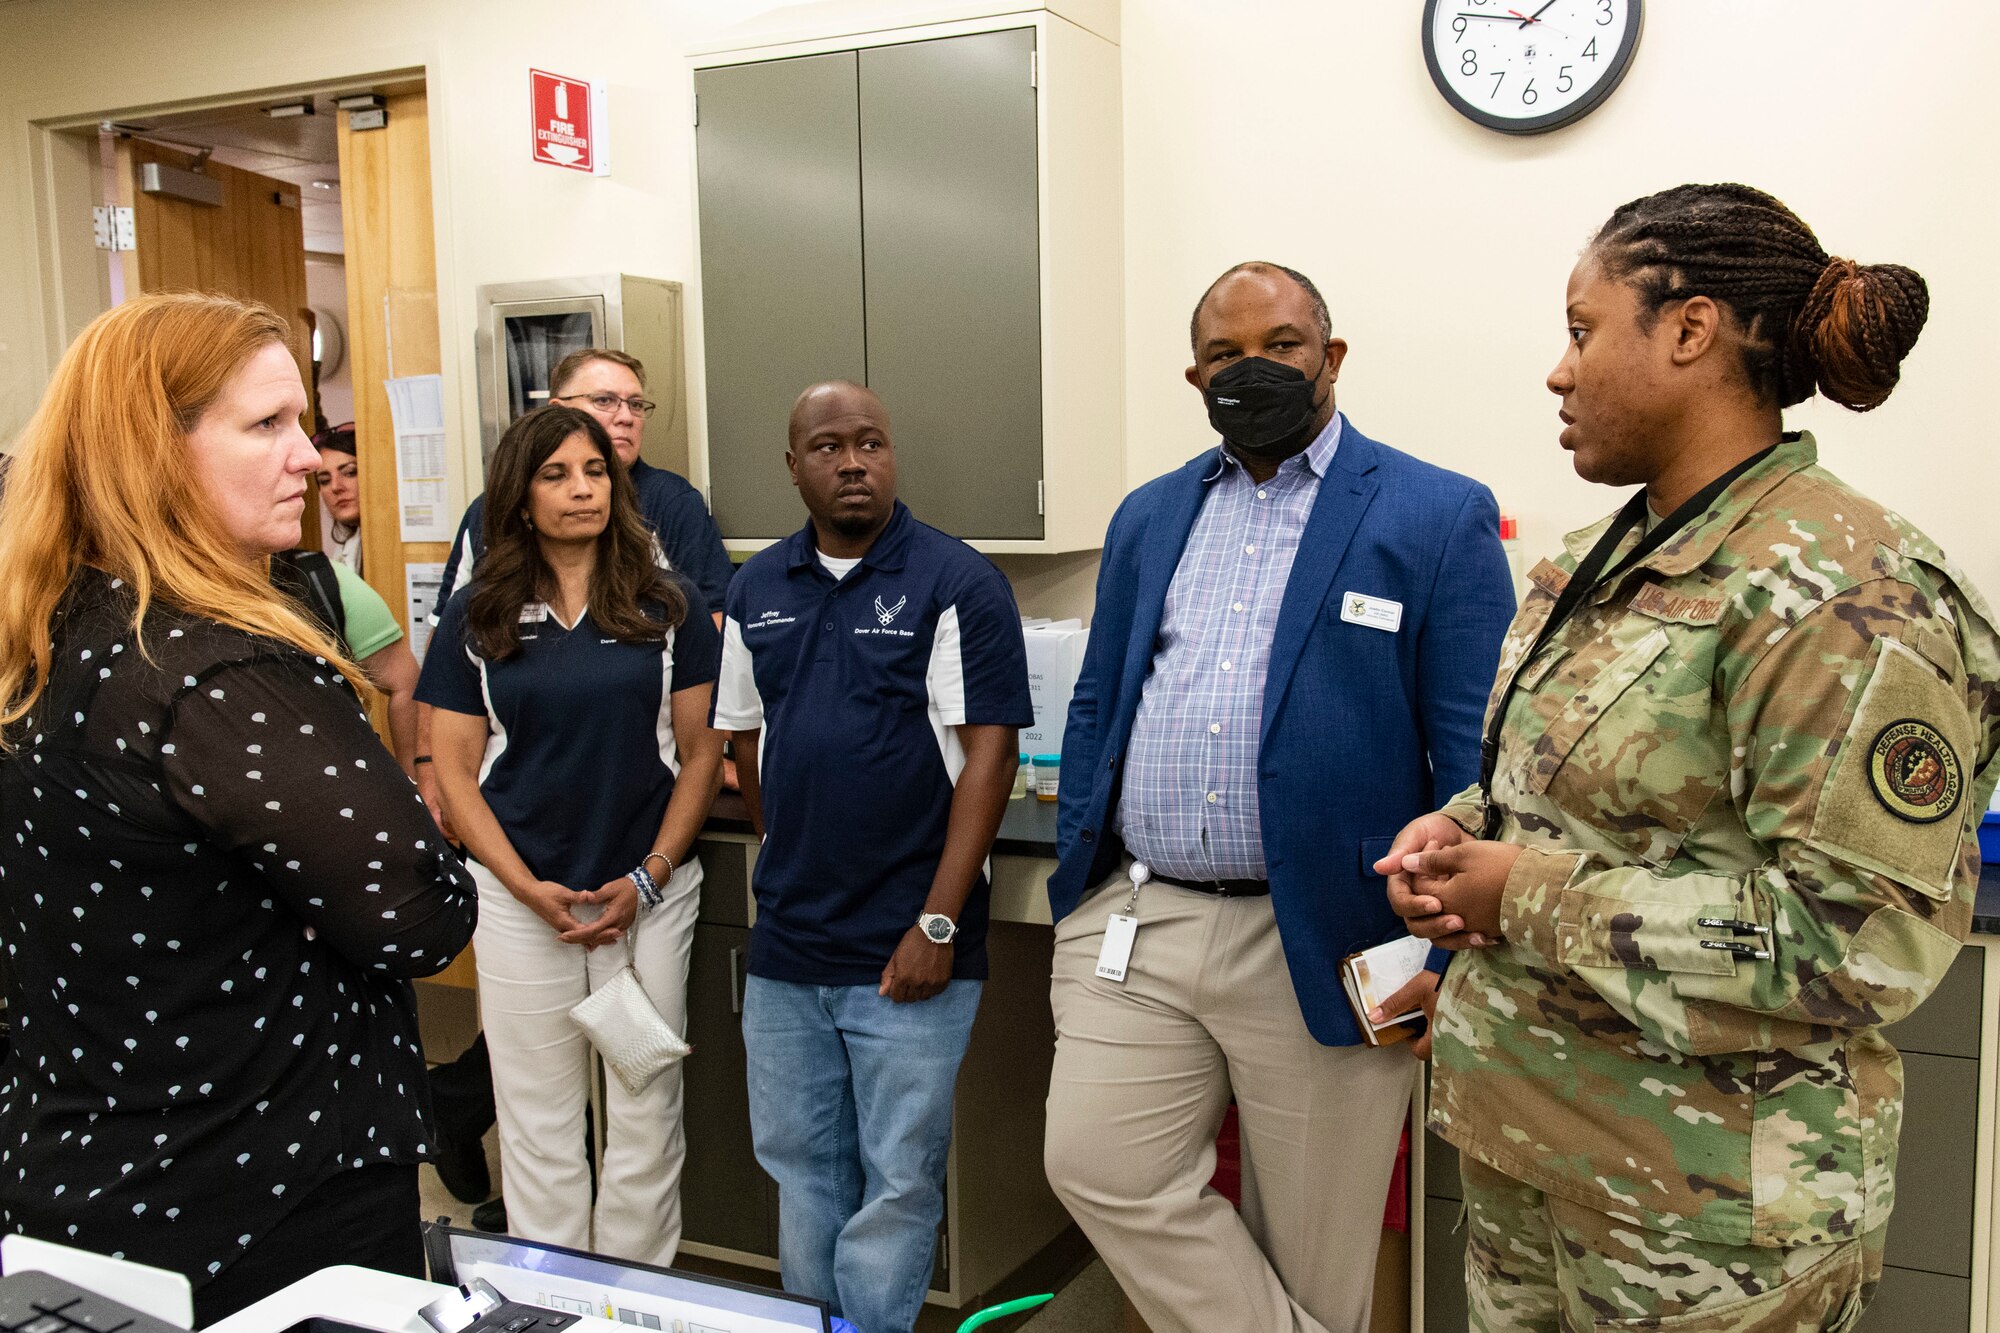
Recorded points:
(1777, 731)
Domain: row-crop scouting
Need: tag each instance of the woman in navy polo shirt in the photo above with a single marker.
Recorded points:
(571, 680)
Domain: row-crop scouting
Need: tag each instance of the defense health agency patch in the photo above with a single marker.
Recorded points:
(1914, 772)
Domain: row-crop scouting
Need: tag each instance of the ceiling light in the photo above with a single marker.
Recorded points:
(325, 185)
(287, 110)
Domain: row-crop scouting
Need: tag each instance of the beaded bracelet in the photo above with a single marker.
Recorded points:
(647, 860)
(649, 892)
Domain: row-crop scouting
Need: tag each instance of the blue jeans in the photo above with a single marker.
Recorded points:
(850, 1109)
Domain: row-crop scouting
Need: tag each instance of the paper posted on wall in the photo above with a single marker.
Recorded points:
(423, 497)
(1373, 975)
(421, 582)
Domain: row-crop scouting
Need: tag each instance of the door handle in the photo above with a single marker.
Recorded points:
(736, 981)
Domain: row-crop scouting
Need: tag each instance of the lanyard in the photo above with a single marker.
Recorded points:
(1589, 576)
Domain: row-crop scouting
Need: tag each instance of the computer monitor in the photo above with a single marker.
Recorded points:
(652, 1300)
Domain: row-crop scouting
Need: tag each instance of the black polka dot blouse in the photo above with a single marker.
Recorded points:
(214, 886)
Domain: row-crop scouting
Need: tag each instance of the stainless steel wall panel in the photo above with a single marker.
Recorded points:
(777, 146)
(951, 252)
(1948, 1022)
(1931, 1228)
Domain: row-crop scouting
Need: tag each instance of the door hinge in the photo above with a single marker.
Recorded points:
(111, 225)
(696, 106)
(1034, 69)
(1038, 499)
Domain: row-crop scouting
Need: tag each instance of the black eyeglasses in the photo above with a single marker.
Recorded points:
(607, 403)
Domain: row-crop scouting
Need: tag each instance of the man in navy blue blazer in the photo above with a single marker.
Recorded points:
(1293, 643)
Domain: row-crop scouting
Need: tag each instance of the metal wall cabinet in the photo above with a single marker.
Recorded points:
(1939, 1269)
(1437, 1249)
(1934, 1254)
(781, 302)
(726, 1199)
(525, 328)
(936, 212)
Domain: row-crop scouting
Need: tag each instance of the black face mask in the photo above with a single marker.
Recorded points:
(1258, 405)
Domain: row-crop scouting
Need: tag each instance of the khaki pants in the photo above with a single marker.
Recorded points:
(1143, 1073)
(1535, 1263)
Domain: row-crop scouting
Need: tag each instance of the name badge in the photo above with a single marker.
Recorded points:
(1113, 958)
(1374, 612)
(534, 613)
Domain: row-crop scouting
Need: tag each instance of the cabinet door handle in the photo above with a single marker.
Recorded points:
(736, 981)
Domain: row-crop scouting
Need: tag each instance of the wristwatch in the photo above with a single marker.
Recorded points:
(937, 927)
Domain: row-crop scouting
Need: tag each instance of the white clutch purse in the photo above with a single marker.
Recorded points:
(621, 1022)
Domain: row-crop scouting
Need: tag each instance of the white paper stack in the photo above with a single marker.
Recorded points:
(1055, 657)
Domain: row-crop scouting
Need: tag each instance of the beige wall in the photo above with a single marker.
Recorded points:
(1310, 135)
(1316, 139)
(500, 216)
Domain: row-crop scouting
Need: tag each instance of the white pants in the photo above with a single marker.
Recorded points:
(528, 982)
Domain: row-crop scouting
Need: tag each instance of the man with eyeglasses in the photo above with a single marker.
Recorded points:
(611, 386)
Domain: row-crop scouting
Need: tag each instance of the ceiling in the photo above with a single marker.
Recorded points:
(298, 149)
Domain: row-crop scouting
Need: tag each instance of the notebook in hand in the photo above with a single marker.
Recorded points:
(1373, 975)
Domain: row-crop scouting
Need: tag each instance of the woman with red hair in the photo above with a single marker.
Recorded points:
(214, 881)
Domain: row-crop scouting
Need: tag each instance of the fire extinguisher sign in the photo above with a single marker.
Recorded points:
(568, 122)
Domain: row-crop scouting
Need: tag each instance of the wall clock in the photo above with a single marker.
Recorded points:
(1528, 66)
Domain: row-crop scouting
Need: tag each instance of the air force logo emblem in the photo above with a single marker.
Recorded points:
(886, 614)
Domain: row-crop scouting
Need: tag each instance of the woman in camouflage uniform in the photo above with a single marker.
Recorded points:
(1740, 741)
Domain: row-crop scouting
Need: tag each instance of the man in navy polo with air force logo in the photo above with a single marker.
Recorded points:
(875, 678)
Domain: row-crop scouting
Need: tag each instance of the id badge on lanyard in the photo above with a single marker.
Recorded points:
(1121, 930)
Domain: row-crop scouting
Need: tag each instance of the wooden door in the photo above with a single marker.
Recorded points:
(251, 246)
(392, 329)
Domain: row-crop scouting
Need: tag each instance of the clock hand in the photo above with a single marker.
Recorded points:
(1526, 19)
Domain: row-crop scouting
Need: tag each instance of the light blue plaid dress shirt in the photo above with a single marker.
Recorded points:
(1188, 808)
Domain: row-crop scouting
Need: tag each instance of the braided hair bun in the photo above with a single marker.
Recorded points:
(1856, 326)
(1809, 320)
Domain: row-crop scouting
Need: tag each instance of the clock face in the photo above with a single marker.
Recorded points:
(1525, 66)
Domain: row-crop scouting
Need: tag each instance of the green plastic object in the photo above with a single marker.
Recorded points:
(1001, 1311)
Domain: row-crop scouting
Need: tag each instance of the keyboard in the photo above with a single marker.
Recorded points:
(41, 1303)
(478, 1307)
